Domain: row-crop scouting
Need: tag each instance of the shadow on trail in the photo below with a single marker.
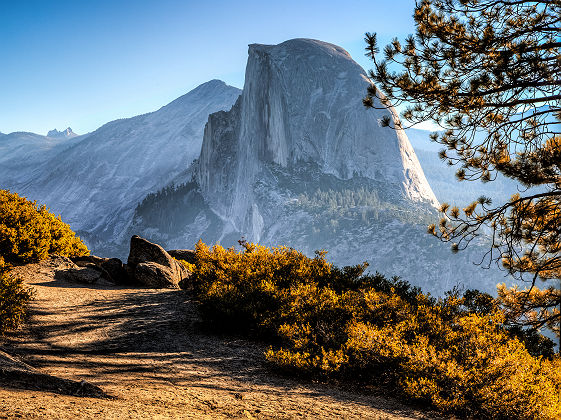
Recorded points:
(155, 335)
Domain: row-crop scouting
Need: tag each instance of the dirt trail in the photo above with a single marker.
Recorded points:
(144, 349)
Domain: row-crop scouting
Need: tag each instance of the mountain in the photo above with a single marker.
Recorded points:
(67, 134)
(294, 159)
(299, 161)
(23, 153)
(302, 103)
(96, 183)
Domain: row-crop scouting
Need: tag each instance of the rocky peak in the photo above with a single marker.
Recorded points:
(302, 102)
(68, 133)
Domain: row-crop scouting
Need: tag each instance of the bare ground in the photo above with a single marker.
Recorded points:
(144, 349)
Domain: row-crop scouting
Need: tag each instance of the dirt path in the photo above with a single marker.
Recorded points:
(144, 349)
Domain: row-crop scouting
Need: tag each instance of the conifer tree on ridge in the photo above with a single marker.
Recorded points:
(489, 73)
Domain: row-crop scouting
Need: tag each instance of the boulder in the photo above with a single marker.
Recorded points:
(187, 255)
(90, 274)
(116, 270)
(150, 265)
(154, 275)
(142, 250)
(113, 268)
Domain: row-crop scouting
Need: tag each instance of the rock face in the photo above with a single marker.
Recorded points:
(302, 102)
(65, 134)
(150, 265)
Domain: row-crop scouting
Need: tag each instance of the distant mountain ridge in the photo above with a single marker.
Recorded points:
(23, 154)
(68, 133)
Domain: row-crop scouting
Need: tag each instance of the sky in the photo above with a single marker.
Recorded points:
(84, 63)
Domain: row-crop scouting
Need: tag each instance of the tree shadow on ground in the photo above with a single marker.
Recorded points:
(156, 335)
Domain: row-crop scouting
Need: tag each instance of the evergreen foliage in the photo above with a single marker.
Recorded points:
(452, 353)
(170, 207)
(489, 73)
(360, 204)
(341, 199)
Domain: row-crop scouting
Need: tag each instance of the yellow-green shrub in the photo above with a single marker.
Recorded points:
(14, 297)
(246, 292)
(29, 232)
(452, 353)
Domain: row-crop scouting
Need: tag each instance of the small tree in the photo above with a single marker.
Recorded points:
(489, 73)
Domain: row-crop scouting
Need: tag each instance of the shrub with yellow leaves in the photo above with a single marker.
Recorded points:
(453, 353)
(14, 297)
(29, 232)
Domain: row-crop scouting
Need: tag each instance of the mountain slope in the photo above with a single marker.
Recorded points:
(21, 154)
(96, 184)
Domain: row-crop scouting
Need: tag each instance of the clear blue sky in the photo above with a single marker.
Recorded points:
(84, 63)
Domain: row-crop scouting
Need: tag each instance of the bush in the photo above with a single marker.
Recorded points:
(452, 353)
(29, 233)
(14, 297)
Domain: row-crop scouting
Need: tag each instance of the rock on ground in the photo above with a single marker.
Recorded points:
(113, 268)
(150, 265)
(187, 255)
